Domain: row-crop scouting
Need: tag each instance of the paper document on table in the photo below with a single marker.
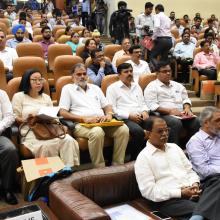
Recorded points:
(126, 212)
(48, 112)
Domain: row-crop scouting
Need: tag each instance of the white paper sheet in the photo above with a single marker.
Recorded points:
(48, 112)
(126, 212)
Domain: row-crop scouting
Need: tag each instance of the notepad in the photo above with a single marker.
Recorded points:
(111, 123)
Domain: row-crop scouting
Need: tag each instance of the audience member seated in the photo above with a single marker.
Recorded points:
(23, 20)
(84, 36)
(203, 152)
(192, 38)
(170, 99)
(179, 26)
(125, 44)
(203, 147)
(128, 103)
(90, 45)
(213, 47)
(28, 102)
(47, 40)
(2, 13)
(211, 27)
(100, 67)
(18, 31)
(166, 178)
(44, 21)
(28, 29)
(82, 102)
(74, 42)
(183, 53)
(76, 21)
(29, 15)
(215, 21)
(194, 32)
(96, 36)
(68, 31)
(139, 66)
(187, 21)
(7, 55)
(9, 12)
(198, 25)
(59, 21)
(8, 152)
(206, 61)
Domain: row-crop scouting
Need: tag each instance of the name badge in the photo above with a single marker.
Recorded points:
(29, 216)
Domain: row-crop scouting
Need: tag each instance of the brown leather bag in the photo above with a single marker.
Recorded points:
(44, 129)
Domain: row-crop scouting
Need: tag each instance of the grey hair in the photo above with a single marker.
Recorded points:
(77, 66)
(207, 114)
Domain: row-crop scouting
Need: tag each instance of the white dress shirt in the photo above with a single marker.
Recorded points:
(83, 103)
(162, 25)
(117, 55)
(157, 94)
(184, 50)
(144, 20)
(139, 69)
(125, 100)
(6, 112)
(162, 174)
(7, 56)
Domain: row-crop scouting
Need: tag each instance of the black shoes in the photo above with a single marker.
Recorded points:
(10, 198)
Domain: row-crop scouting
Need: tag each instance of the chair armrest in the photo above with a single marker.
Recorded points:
(70, 124)
(12, 131)
(64, 200)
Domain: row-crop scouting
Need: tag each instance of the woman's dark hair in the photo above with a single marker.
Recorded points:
(87, 43)
(83, 31)
(25, 84)
(67, 29)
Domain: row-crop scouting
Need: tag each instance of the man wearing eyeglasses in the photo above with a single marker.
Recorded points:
(166, 178)
(170, 100)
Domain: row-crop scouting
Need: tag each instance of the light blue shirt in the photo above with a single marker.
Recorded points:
(86, 6)
(184, 50)
(204, 153)
(13, 42)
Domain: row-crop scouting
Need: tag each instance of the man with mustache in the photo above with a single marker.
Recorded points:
(83, 102)
(166, 178)
(127, 100)
(170, 100)
(18, 31)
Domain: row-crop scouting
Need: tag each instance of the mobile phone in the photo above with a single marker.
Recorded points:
(160, 215)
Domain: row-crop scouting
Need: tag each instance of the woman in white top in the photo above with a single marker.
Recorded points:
(28, 102)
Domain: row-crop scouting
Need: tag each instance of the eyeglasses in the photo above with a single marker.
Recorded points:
(41, 80)
(75, 36)
(161, 131)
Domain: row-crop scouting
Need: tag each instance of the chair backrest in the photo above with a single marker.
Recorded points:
(9, 36)
(62, 81)
(55, 50)
(78, 29)
(27, 49)
(3, 27)
(63, 65)
(56, 28)
(3, 82)
(107, 81)
(59, 33)
(5, 21)
(22, 64)
(13, 87)
(110, 50)
(79, 50)
(145, 79)
(63, 39)
(68, 20)
(175, 32)
(37, 31)
(37, 38)
(122, 59)
(36, 21)
(197, 50)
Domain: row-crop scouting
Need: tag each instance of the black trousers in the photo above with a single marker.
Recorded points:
(210, 73)
(137, 142)
(161, 48)
(85, 16)
(208, 205)
(177, 125)
(8, 163)
(184, 75)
